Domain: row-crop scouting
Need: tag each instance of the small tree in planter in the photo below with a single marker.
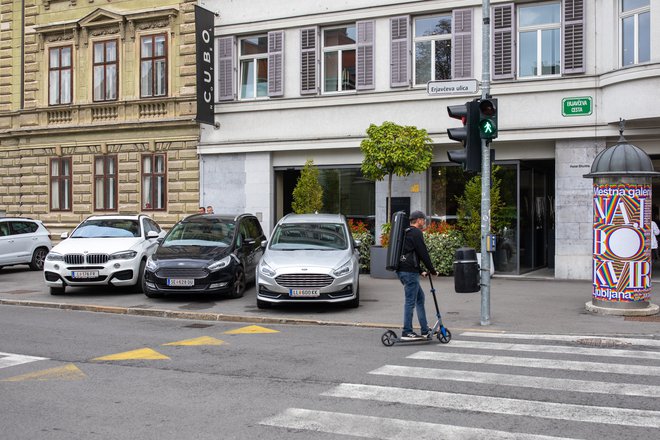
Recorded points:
(308, 193)
(395, 150)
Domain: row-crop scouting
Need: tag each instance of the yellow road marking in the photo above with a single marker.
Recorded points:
(67, 372)
(141, 353)
(250, 329)
(203, 340)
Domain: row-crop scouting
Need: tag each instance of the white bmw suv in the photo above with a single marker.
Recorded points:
(103, 250)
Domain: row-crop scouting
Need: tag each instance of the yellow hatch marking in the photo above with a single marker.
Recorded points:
(250, 329)
(67, 372)
(203, 340)
(141, 353)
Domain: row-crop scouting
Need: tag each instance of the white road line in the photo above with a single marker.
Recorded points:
(565, 338)
(12, 359)
(655, 355)
(583, 386)
(498, 405)
(550, 364)
(386, 428)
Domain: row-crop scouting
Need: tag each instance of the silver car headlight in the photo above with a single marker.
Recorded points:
(151, 265)
(220, 264)
(54, 256)
(344, 269)
(266, 270)
(123, 255)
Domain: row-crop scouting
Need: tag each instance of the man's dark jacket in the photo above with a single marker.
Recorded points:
(414, 250)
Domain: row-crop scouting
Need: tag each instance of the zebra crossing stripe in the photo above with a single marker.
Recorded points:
(550, 364)
(583, 386)
(564, 338)
(386, 428)
(499, 405)
(605, 352)
(11, 359)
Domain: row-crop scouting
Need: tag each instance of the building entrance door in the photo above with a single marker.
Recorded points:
(536, 215)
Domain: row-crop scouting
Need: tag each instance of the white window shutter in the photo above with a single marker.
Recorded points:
(573, 56)
(365, 55)
(461, 44)
(400, 51)
(275, 63)
(504, 47)
(226, 77)
(308, 61)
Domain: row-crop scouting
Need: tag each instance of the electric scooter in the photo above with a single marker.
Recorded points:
(390, 338)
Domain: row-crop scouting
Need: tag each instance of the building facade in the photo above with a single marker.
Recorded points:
(97, 108)
(303, 80)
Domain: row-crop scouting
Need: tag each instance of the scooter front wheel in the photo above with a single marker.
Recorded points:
(444, 336)
(389, 338)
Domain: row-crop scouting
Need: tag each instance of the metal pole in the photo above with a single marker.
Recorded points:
(485, 170)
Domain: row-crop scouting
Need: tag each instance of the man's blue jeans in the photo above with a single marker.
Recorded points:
(414, 300)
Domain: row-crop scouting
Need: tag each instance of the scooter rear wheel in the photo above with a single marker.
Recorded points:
(389, 338)
(444, 337)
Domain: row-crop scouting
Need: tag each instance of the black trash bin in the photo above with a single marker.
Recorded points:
(466, 271)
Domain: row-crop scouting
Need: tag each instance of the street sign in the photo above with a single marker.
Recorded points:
(581, 106)
(457, 87)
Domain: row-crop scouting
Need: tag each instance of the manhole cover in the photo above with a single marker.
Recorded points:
(198, 326)
(601, 342)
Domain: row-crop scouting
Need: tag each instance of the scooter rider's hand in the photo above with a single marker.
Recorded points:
(424, 274)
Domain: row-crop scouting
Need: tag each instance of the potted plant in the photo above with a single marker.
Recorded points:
(308, 193)
(393, 150)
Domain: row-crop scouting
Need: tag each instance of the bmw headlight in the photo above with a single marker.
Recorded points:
(344, 269)
(123, 255)
(54, 256)
(220, 264)
(266, 270)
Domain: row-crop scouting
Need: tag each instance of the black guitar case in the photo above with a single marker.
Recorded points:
(399, 224)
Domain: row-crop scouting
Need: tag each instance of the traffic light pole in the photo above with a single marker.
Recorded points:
(485, 170)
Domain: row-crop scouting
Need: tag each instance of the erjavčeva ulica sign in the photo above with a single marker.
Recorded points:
(622, 241)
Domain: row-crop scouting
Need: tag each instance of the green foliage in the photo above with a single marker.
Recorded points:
(469, 208)
(442, 248)
(308, 193)
(366, 241)
(391, 149)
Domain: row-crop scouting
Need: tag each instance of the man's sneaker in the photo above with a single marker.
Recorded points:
(428, 334)
(409, 336)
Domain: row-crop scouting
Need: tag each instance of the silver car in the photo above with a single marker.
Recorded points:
(309, 258)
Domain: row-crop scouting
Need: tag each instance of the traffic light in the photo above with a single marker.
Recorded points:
(468, 134)
(488, 118)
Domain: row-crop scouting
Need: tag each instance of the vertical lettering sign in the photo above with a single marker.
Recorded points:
(622, 242)
(205, 75)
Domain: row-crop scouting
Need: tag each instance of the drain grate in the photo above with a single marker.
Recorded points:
(601, 342)
(198, 326)
(20, 292)
(652, 318)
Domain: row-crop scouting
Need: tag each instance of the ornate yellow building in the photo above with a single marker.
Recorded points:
(97, 108)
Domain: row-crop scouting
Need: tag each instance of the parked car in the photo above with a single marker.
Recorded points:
(23, 241)
(309, 258)
(206, 254)
(103, 250)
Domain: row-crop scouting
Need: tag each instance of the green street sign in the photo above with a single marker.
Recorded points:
(487, 129)
(581, 106)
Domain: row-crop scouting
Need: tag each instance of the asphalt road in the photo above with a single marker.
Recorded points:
(79, 375)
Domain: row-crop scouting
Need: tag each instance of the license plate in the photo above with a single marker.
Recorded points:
(85, 274)
(180, 282)
(304, 292)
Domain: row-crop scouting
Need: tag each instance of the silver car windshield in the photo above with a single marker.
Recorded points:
(307, 236)
(105, 228)
(200, 234)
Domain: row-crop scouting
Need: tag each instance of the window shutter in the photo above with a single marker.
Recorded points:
(275, 63)
(399, 51)
(504, 53)
(308, 61)
(365, 55)
(461, 45)
(226, 85)
(573, 35)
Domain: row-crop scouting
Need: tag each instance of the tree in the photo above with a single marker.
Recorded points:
(391, 149)
(308, 193)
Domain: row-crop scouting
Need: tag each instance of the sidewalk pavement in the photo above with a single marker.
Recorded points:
(523, 305)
